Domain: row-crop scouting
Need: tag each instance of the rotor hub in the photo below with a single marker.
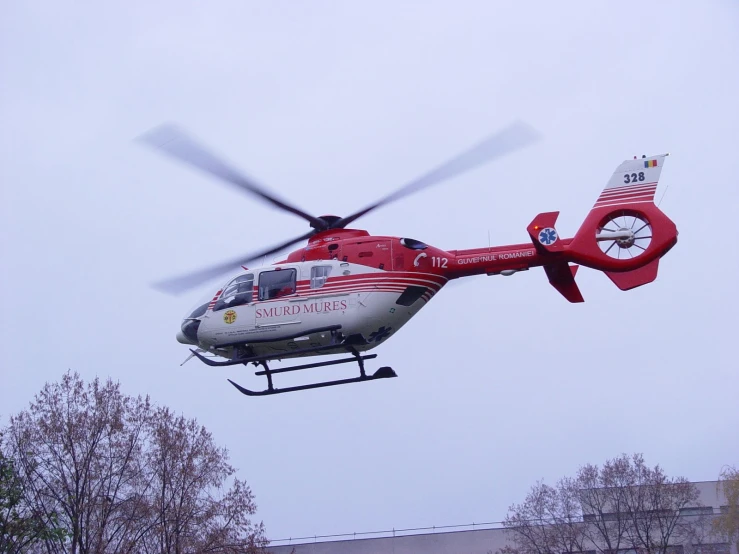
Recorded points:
(627, 239)
(328, 221)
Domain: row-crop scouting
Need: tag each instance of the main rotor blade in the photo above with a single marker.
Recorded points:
(175, 143)
(181, 284)
(512, 138)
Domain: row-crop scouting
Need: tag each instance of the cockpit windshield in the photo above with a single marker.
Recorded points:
(200, 307)
(236, 293)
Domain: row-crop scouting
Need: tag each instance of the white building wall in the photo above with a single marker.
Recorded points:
(485, 541)
(481, 541)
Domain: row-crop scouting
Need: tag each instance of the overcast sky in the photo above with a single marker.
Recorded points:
(333, 104)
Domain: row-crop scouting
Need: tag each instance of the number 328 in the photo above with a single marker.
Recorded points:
(633, 177)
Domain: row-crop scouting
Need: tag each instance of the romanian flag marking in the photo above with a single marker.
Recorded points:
(650, 163)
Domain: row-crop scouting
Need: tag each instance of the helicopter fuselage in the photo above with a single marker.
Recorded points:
(366, 286)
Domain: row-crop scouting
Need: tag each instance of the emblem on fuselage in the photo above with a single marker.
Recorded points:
(229, 316)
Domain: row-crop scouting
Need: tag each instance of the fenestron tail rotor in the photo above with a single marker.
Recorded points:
(624, 235)
(176, 144)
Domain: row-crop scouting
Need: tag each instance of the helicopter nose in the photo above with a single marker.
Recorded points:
(188, 333)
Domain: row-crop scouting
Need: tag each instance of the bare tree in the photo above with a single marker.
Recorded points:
(192, 512)
(96, 458)
(548, 521)
(727, 523)
(76, 448)
(623, 505)
(20, 526)
(653, 502)
(601, 493)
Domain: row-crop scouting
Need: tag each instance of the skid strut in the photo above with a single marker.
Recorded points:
(338, 345)
(382, 373)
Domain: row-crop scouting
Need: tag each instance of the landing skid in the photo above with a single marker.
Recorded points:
(382, 373)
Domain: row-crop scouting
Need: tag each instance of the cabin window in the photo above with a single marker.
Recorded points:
(277, 283)
(236, 293)
(413, 244)
(319, 275)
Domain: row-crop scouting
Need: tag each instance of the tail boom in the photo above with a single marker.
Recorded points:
(624, 235)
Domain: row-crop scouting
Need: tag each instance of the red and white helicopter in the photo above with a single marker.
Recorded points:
(346, 291)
